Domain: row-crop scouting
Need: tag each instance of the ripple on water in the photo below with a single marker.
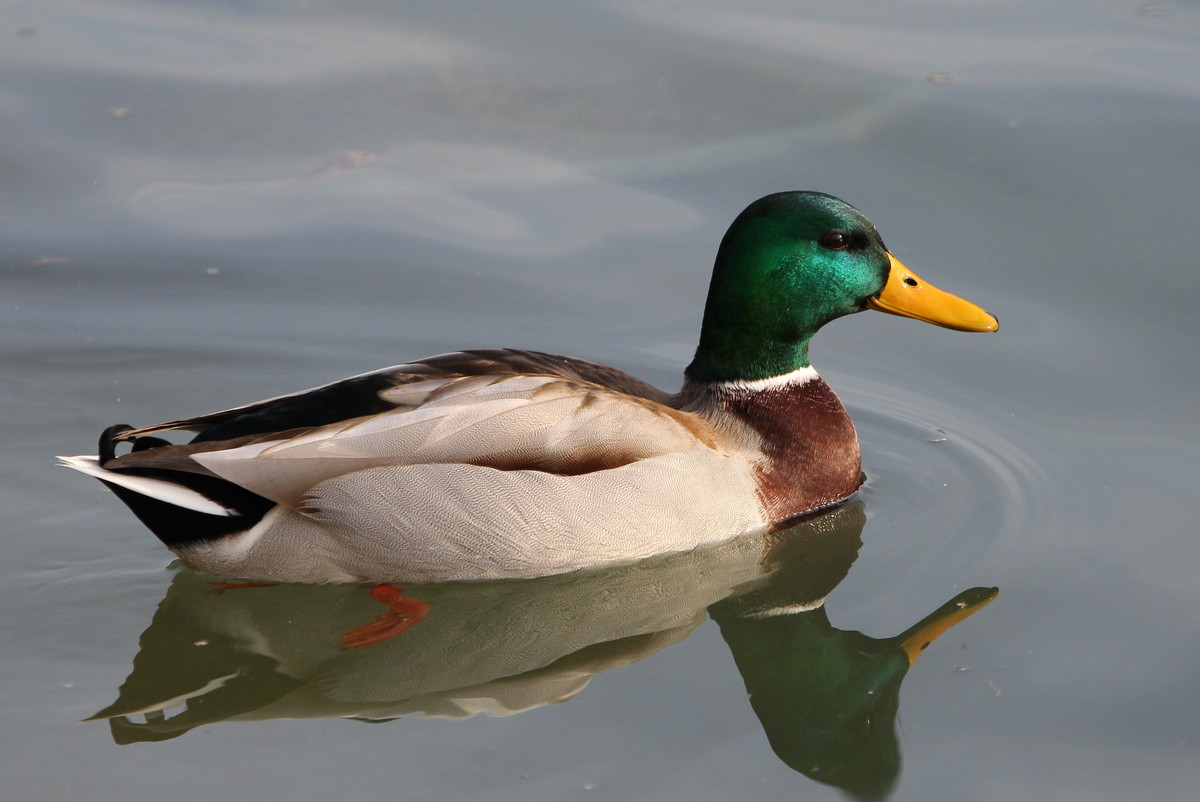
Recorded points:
(946, 478)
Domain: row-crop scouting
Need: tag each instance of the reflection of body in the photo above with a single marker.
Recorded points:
(505, 647)
(496, 463)
(496, 647)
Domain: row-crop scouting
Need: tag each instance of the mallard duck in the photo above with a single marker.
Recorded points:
(507, 463)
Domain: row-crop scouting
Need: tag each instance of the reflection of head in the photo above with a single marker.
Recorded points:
(827, 699)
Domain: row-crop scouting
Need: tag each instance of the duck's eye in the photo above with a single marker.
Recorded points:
(835, 241)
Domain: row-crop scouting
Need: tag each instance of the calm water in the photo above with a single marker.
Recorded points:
(202, 204)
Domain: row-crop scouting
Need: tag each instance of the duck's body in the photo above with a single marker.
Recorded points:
(504, 463)
(484, 464)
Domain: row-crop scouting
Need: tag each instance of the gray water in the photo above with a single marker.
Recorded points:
(206, 203)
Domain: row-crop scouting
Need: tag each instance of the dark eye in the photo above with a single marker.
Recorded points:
(835, 241)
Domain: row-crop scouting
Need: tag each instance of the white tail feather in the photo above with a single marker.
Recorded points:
(164, 491)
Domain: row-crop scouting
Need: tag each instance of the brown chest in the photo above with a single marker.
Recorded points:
(811, 455)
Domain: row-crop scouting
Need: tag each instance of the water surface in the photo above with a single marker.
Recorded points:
(208, 203)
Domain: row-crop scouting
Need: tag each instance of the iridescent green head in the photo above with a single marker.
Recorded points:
(789, 264)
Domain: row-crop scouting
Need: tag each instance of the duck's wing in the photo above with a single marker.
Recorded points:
(511, 423)
(462, 409)
(380, 391)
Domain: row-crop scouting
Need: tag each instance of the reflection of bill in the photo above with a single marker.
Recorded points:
(826, 698)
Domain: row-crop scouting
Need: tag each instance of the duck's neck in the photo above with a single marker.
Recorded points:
(722, 359)
(809, 445)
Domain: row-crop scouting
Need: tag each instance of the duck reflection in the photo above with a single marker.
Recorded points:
(826, 698)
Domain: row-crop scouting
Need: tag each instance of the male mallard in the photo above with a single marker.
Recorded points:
(506, 463)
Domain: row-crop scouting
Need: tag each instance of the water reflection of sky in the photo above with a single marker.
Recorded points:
(206, 203)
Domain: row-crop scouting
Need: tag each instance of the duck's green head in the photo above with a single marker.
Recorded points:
(789, 264)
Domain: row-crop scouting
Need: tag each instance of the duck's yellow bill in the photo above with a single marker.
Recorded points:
(908, 295)
(917, 638)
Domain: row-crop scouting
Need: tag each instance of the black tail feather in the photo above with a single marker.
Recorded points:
(148, 442)
(178, 526)
(174, 525)
(108, 441)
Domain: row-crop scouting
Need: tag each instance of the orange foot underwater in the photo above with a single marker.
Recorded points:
(402, 614)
